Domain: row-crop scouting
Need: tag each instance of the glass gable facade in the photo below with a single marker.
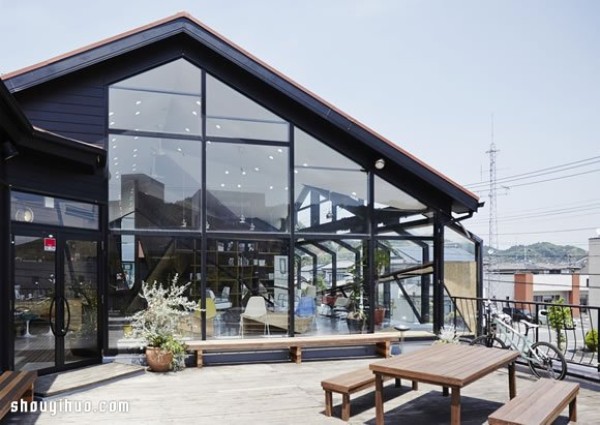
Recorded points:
(209, 185)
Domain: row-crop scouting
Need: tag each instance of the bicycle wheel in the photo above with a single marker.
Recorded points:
(551, 363)
(488, 341)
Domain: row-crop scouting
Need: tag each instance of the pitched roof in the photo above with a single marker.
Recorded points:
(17, 128)
(463, 201)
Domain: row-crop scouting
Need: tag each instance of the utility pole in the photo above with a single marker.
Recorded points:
(493, 221)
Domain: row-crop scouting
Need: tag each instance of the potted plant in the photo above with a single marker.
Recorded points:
(357, 317)
(157, 324)
(83, 339)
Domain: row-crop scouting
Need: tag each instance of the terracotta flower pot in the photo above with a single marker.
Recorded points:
(379, 316)
(158, 360)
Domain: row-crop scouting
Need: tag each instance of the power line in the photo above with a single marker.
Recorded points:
(541, 172)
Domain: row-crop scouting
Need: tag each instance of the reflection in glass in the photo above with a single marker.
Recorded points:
(32, 208)
(331, 190)
(165, 99)
(81, 299)
(395, 210)
(334, 270)
(34, 289)
(404, 287)
(231, 114)
(247, 187)
(154, 183)
(460, 278)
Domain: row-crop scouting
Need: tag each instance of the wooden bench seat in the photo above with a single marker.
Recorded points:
(541, 403)
(349, 383)
(15, 386)
(382, 341)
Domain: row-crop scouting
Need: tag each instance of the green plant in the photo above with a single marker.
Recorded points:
(559, 319)
(157, 323)
(591, 340)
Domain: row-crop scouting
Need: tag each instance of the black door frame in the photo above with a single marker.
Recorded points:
(62, 235)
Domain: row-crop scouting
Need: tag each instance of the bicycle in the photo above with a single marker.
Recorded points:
(543, 358)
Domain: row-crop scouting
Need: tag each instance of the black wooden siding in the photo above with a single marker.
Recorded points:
(72, 108)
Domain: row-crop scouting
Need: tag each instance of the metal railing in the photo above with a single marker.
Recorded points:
(564, 325)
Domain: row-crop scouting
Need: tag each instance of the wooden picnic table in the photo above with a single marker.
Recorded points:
(450, 365)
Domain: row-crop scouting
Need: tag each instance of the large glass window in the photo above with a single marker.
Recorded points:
(460, 279)
(248, 187)
(232, 115)
(32, 208)
(331, 190)
(248, 282)
(333, 273)
(404, 287)
(155, 183)
(165, 99)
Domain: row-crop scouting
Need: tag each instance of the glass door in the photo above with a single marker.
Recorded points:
(55, 307)
(80, 300)
(34, 306)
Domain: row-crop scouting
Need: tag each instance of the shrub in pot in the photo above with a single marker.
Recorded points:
(157, 323)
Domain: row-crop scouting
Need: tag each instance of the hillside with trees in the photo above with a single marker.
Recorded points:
(540, 253)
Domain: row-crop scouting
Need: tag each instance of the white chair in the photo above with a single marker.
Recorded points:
(256, 309)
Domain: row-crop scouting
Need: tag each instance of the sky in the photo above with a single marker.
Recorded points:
(441, 79)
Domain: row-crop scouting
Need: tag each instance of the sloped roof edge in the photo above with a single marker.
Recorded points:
(180, 22)
(24, 135)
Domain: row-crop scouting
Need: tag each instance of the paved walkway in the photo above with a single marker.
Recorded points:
(281, 393)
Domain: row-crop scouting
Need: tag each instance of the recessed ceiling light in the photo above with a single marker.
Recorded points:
(353, 193)
(198, 102)
(135, 149)
(222, 184)
(218, 126)
(137, 112)
(112, 123)
(114, 146)
(270, 187)
(194, 113)
(226, 171)
(115, 158)
(280, 150)
(286, 188)
(110, 114)
(295, 171)
(187, 130)
(239, 186)
(305, 165)
(138, 102)
(179, 150)
(256, 169)
(271, 157)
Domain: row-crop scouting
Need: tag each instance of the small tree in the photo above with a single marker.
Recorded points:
(559, 319)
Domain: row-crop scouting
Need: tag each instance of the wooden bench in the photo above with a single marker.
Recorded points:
(382, 341)
(349, 383)
(15, 386)
(541, 403)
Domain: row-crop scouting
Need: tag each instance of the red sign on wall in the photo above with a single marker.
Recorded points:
(50, 244)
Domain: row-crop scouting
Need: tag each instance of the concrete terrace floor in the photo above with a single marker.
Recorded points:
(285, 393)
